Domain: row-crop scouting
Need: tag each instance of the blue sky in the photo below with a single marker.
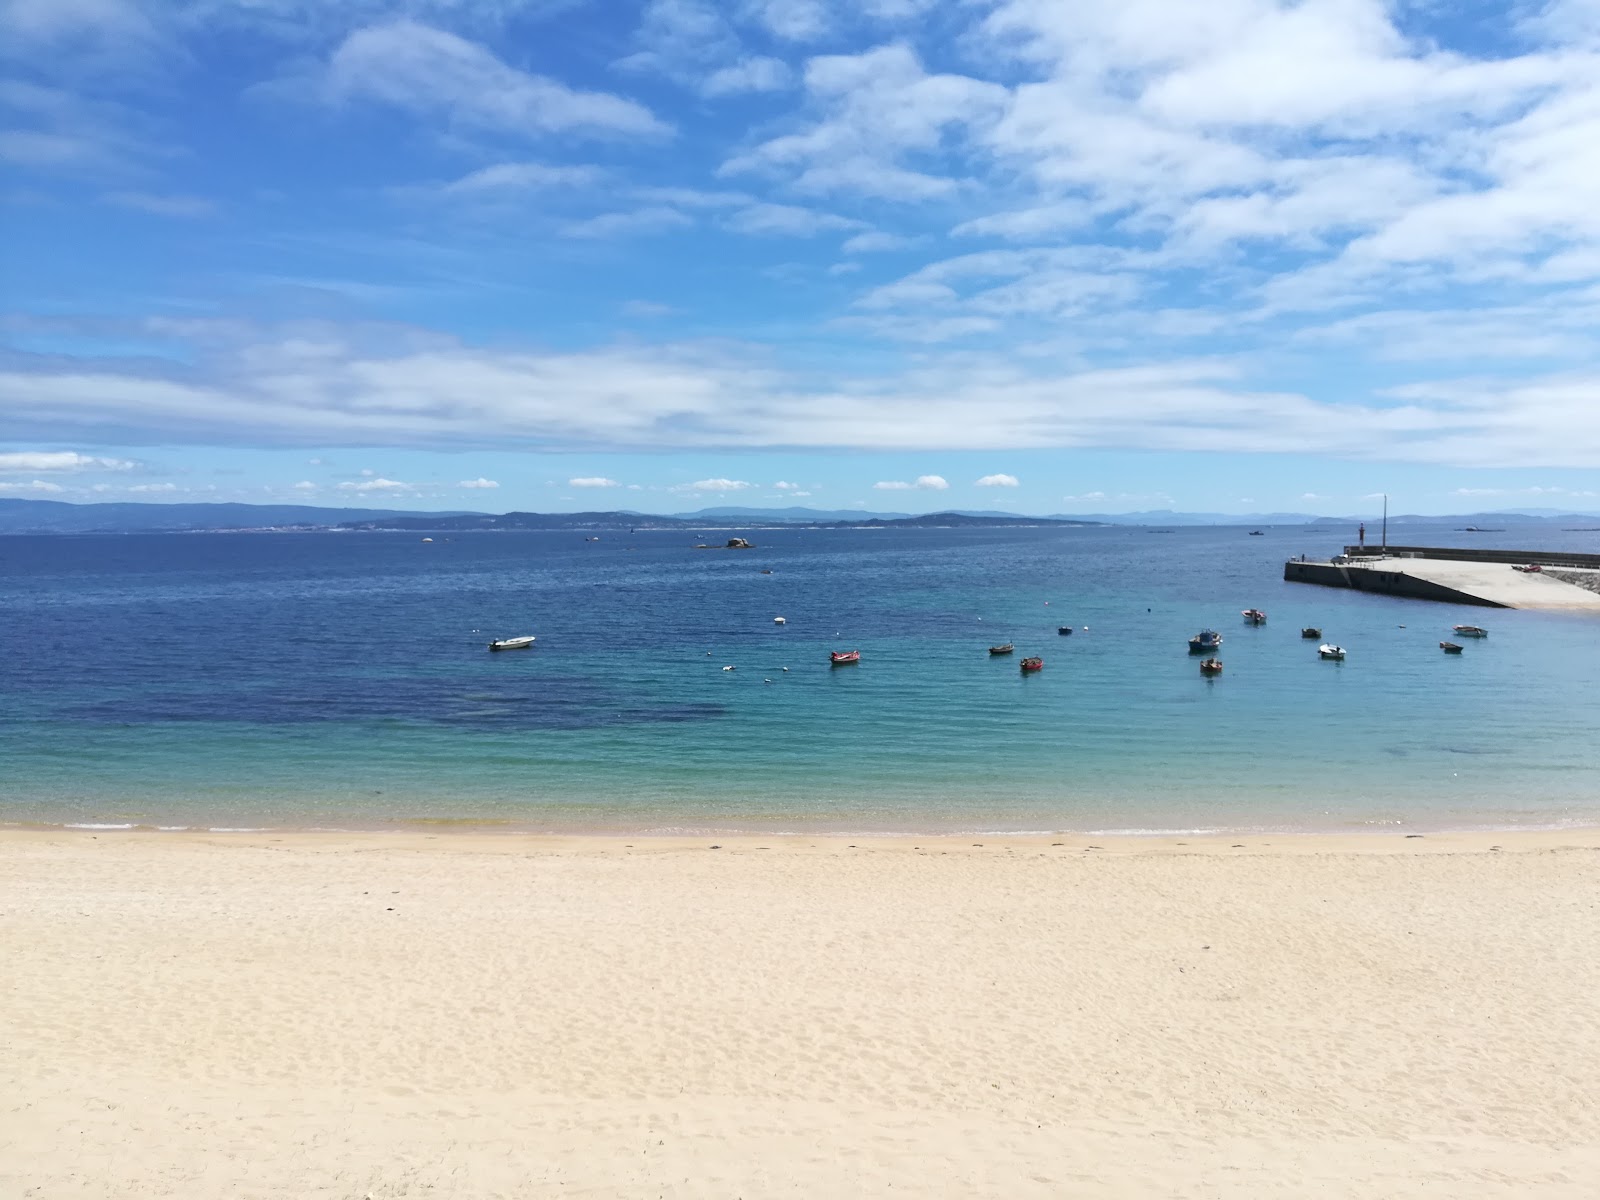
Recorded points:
(1242, 256)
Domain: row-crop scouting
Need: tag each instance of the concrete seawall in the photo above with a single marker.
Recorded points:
(1386, 582)
(1454, 579)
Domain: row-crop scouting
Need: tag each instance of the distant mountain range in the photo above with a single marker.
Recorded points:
(54, 516)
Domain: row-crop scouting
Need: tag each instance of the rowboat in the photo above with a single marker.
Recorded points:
(1206, 639)
(1032, 664)
(1006, 649)
(1469, 631)
(1310, 632)
(1255, 616)
(1450, 647)
(1329, 651)
(512, 643)
(840, 658)
(1211, 666)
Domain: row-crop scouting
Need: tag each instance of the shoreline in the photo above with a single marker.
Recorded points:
(479, 839)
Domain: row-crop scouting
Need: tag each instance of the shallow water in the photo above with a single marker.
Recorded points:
(239, 680)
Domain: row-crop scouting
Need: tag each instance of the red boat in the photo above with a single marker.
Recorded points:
(1033, 664)
(840, 657)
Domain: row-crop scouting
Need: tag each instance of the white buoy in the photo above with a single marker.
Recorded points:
(786, 668)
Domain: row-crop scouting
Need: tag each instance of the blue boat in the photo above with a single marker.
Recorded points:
(1206, 639)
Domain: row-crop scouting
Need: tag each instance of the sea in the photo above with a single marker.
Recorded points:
(342, 680)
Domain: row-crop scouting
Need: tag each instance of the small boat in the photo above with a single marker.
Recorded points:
(1064, 630)
(1006, 649)
(1253, 533)
(430, 539)
(1469, 631)
(516, 643)
(779, 621)
(1450, 647)
(1255, 616)
(1327, 650)
(1032, 664)
(1310, 632)
(840, 658)
(1211, 666)
(1206, 639)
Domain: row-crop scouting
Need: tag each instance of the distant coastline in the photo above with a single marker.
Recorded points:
(20, 516)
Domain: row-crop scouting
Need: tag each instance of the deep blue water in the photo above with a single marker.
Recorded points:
(230, 680)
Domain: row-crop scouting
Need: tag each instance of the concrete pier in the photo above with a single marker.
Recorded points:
(1455, 576)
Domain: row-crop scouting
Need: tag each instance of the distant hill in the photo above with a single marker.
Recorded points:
(806, 516)
(704, 520)
(55, 516)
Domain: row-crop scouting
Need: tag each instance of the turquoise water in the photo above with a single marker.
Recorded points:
(341, 680)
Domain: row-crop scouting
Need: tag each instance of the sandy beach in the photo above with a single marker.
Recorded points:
(471, 1015)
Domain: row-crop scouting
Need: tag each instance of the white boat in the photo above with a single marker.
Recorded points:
(1328, 650)
(779, 621)
(515, 643)
(1470, 631)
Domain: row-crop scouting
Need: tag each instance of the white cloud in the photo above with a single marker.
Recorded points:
(754, 74)
(59, 460)
(513, 177)
(626, 224)
(314, 384)
(38, 486)
(155, 487)
(783, 486)
(793, 20)
(927, 483)
(305, 485)
(377, 484)
(876, 241)
(592, 481)
(786, 220)
(883, 116)
(1009, 481)
(439, 75)
(479, 482)
(715, 485)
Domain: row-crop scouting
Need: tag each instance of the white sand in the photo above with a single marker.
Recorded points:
(470, 1016)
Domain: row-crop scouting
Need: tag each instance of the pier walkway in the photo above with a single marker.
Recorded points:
(1456, 580)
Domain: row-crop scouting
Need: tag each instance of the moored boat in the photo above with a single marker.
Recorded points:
(1064, 630)
(1211, 666)
(1206, 639)
(1450, 647)
(1255, 616)
(1006, 649)
(840, 658)
(1469, 631)
(1330, 651)
(1032, 664)
(779, 621)
(512, 643)
(1310, 632)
